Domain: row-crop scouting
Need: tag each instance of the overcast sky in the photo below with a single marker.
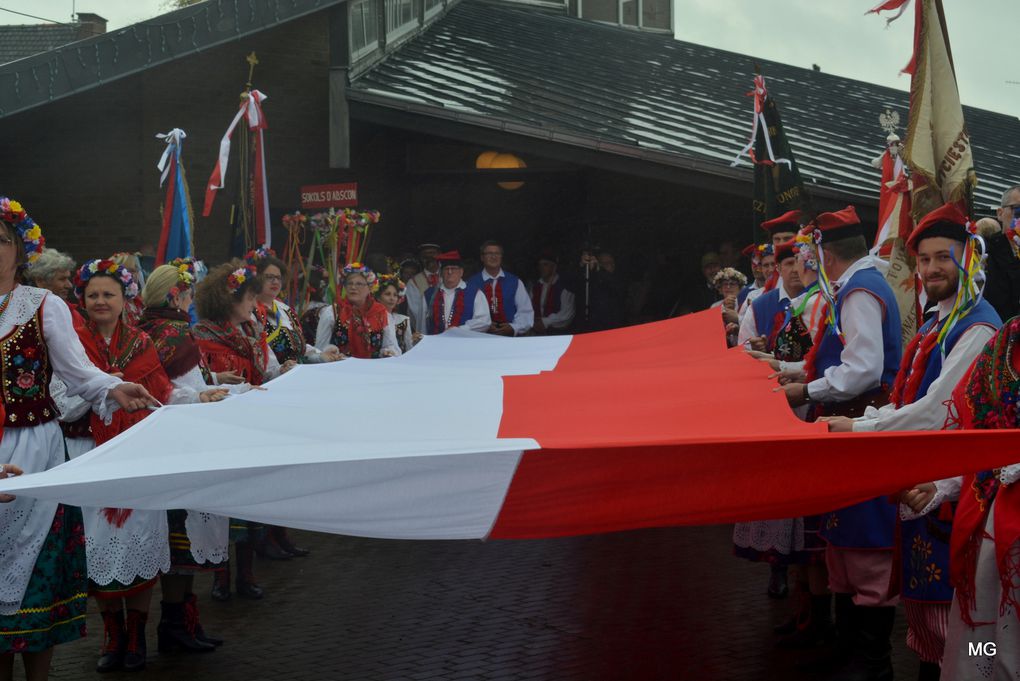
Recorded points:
(834, 34)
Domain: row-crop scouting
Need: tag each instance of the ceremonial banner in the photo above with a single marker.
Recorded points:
(175, 238)
(777, 184)
(937, 148)
(472, 436)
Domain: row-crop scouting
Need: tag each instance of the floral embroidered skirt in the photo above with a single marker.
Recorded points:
(53, 608)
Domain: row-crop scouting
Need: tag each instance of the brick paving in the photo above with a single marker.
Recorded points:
(646, 605)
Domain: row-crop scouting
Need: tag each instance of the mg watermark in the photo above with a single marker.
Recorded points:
(981, 649)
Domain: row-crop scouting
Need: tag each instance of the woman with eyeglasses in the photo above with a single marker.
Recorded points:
(283, 328)
(357, 323)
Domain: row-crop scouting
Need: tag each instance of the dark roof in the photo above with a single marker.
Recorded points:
(18, 42)
(645, 94)
(88, 63)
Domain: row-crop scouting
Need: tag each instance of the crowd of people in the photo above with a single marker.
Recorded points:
(821, 313)
(88, 351)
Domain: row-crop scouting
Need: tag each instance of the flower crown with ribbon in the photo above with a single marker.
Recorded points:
(807, 251)
(395, 281)
(30, 233)
(363, 270)
(236, 279)
(104, 268)
(729, 274)
(253, 256)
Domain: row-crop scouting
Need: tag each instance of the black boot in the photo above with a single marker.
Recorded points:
(929, 671)
(279, 535)
(246, 587)
(173, 634)
(111, 656)
(134, 651)
(838, 655)
(871, 659)
(221, 584)
(191, 615)
(268, 547)
(778, 587)
(819, 628)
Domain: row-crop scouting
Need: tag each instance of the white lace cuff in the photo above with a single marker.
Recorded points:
(945, 490)
(1009, 474)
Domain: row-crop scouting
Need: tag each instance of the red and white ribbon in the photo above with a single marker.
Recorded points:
(251, 111)
(760, 94)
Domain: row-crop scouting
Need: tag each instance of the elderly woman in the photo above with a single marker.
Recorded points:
(358, 324)
(727, 283)
(42, 557)
(391, 294)
(231, 340)
(53, 271)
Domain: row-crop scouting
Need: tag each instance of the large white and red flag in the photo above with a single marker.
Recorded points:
(473, 436)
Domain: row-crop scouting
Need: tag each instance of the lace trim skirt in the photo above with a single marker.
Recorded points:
(53, 608)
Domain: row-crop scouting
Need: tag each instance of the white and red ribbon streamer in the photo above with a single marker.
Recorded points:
(251, 111)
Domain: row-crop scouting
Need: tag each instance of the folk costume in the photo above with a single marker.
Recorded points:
(416, 288)
(553, 303)
(985, 543)
(852, 364)
(285, 335)
(507, 299)
(364, 331)
(43, 584)
(463, 305)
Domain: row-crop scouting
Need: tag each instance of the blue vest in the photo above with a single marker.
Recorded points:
(742, 296)
(434, 326)
(509, 283)
(924, 542)
(766, 308)
(869, 524)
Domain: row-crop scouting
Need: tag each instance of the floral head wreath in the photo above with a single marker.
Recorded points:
(729, 274)
(104, 268)
(364, 270)
(236, 279)
(185, 277)
(392, 280)
(253, 256)
(30, 233)
(807, 251)
(764, 250)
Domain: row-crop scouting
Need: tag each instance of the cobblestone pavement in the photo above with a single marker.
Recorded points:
(646, 605)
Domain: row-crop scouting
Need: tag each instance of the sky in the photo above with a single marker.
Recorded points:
(835, 34)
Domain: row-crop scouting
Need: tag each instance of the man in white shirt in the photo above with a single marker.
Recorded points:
(552, 302)
(421, 282)
(509, 305)
(453, 302)
(923, 386)
(854, 365)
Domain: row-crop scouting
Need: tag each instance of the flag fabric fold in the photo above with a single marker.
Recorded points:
(176, 237)
(472, 436)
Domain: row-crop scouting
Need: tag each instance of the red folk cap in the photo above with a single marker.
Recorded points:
(947, 221)
(840, 224)
(450, 259)
(749, 251)
(787, 222)
(786, 250)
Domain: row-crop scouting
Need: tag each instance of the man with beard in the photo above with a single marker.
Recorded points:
(928, 373)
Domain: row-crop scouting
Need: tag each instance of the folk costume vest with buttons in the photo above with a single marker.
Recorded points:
(27, 374)
(924, 541)
(869, 524)
(769, 312)
(463, 308)
(500, 293)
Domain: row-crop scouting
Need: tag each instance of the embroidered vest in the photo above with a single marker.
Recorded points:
(869, 524)
(401, 328)
(924, 541)
(285, 343)
(26, 375)
(742, 296)
(500, 294)
(310, 322)
(553, 299)
(463, 297)
(769, 312)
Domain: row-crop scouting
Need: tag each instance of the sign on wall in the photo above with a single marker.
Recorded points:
(344, 195)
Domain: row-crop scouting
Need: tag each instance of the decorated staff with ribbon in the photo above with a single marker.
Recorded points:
(253, 214)
(176, 239)
(42, 557)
